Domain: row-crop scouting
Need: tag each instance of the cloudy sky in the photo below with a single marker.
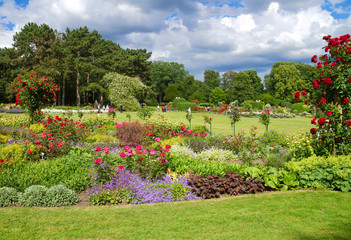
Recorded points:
(218, 35)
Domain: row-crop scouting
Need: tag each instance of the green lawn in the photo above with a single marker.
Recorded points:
(221, 123)
(278, 215)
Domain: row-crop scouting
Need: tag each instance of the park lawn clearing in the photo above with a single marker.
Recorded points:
(300, 214)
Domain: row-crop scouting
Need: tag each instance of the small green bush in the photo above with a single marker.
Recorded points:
(69, 170)
(299, 107)
(182, 106)
(176, 101)
(330, 173)
(112, 196)
(59, 195)
(8, 196)
(34, 196)
(100, 138)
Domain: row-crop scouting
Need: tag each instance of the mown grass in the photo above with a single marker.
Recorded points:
(279, 215)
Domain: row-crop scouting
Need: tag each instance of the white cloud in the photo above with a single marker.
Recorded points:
(218, 37)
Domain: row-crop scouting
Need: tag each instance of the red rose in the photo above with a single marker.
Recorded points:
(314, 59)
(329, 113)
(348, 123)
(1, 160)
(321, 121)
(297, 95)
(303, 92)
(328, 81)
(313, 121)
(346, 100)
(313, 131)
(319, 65)
(350, 79)
(323, 100)
(333, 64)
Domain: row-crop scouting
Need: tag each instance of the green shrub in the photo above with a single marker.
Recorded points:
(206, 104)
(69, 170)
(176, 101)
(100, 138)
(59, 195)
(3, 139)
(8, 196)
(112, 196)
(145, 112)
(176, 190)
(37, 128)
(17, 152)
(299, 108)
(215, 154)
(34, 196)
(183, 165)
(170, 141)
(182, 106)
(330, 173)
(286, 104)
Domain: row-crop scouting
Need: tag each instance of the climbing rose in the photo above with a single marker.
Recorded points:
(314, 59)
(328, 81)
(348, 122)
(313, 131)
(323, 100)
(346, 100)
(321, 121)
(297, 95)
(329, 113)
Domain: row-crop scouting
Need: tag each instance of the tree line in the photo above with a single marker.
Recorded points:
(78, 59)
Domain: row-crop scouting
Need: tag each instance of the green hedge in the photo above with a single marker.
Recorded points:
(185, 105)
(330, 173)
(70, 170)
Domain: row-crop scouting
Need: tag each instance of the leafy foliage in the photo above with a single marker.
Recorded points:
(324, 172)
(8, 196)
(214, 186)
(123, 90)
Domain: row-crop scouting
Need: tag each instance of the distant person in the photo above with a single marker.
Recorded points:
(121, 108)
(158, 108)
(166, 108)
(99, 108)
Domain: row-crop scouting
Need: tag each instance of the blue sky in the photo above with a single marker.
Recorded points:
(219, 35)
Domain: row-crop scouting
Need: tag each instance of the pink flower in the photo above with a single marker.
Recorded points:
(68, 134)
(26, 143)
(162, 154)
(98, 149)
(120, 167)
(126, 147)
(122, 155)
(168, 146)
(97, 160)
(29, 151)
(272, 145)
(139, 147)
(157, 139)
(152, 152)
(106, 150)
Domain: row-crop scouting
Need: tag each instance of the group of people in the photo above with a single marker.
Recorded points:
(105, 108)
(163, 108)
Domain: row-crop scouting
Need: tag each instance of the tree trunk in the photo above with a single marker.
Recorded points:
(86, 92)
(63, 91)
(77, 90)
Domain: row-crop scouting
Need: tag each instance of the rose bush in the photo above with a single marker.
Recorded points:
(331, 97)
